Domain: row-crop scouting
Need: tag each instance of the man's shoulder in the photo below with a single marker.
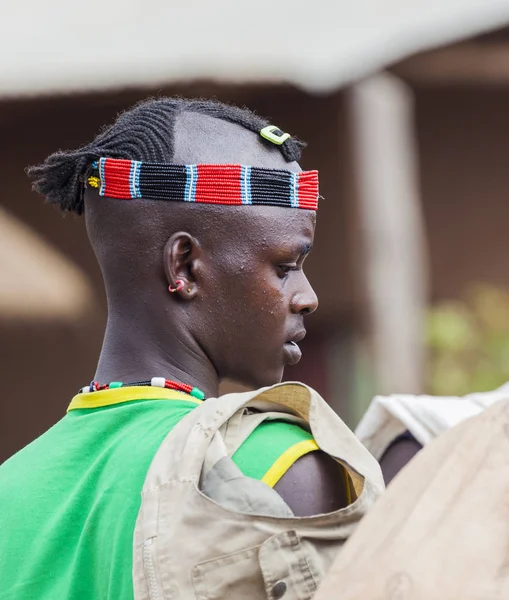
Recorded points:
(315, 484)
(272, 448)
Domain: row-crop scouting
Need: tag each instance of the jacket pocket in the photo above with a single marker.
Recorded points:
(231, 576)
(280, 568)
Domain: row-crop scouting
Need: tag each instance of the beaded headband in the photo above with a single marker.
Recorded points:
(209, 184)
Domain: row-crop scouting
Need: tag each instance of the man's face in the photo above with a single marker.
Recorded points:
(255, 294)
(249, 315)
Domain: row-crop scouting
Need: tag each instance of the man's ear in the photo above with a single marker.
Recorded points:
(182, 255)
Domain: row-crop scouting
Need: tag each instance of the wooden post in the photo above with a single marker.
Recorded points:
(393, 265)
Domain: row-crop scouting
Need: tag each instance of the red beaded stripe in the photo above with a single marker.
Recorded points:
(307, 190)
(116, 178)
(98, 387)
(219, 184)
(180, 387)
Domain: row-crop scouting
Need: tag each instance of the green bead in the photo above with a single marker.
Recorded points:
(115, 384)
(197, 393)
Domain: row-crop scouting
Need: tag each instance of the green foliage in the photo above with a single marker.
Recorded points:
(468, 342)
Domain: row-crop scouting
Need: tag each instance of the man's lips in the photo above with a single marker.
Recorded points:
(292, 351)
(296, 337)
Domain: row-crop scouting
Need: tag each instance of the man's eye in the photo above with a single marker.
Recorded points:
(285, 269)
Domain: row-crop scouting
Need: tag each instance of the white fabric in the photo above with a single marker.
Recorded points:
(425, 417)
(58, 45)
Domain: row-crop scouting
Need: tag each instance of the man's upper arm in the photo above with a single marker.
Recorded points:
(398, 454)
(314, 484)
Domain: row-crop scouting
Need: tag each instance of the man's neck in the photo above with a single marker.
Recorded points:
(131, 352)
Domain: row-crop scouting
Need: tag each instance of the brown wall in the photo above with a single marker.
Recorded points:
(464, 144)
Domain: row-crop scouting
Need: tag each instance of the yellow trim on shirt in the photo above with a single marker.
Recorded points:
(348, 486)
(286, 460)
(290, 456)
(119, 395)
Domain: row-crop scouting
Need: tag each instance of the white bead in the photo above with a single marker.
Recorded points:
(158, 382)
(85, 390)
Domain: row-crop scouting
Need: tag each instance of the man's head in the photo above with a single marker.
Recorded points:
(245, 293)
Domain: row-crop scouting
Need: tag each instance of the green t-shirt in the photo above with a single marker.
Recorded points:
(69, 500)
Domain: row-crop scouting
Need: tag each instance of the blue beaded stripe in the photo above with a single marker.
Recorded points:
(294, 190)
(134, 179)
(191, 179)
(245, 185)
(101, 175)
(137, 180)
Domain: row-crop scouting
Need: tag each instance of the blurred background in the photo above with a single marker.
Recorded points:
(404, 106)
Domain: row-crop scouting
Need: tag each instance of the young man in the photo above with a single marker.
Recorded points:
(203, 267)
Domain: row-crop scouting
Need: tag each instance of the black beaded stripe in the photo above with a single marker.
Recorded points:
(270, 187)
(163, 182)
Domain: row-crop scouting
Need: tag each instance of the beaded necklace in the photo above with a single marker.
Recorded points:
(160, 382)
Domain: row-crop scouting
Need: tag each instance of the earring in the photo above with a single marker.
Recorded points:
(179, 284)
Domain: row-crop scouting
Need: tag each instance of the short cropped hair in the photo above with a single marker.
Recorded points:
(145, 133)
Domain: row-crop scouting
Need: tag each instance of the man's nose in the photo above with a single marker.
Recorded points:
(304, 301)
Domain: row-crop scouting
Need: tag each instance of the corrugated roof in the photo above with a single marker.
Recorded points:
(62, 46)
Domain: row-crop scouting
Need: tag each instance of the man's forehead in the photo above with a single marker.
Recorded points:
(271, 225)
(201, 138)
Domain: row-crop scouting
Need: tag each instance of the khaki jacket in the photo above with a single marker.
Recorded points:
(207, 532)
(440, 532)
